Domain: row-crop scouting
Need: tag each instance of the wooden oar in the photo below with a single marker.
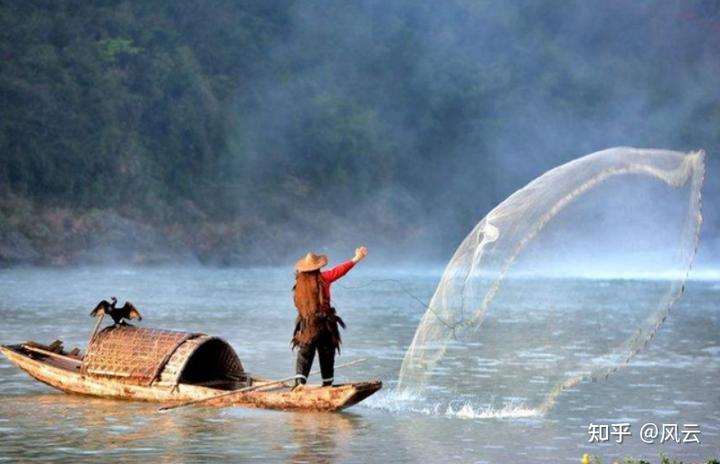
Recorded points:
(230, 393)
(250, 388)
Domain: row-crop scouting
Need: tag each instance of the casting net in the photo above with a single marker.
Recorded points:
(565, 280)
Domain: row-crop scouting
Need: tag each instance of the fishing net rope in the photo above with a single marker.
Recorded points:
(552, 339)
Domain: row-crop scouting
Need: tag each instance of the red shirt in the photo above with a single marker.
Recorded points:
(330, 276)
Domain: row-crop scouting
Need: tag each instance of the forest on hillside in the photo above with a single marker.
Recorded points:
(242, 132)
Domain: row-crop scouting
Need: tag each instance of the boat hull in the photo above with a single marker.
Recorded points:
(66, 377)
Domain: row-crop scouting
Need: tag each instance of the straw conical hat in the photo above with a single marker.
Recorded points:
(311, 262)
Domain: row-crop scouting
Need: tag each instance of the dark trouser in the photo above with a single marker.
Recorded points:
(306, 354)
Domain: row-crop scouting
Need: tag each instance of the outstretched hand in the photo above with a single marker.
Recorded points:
(360, 254)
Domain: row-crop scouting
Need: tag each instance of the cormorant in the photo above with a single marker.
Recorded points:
(127, 311)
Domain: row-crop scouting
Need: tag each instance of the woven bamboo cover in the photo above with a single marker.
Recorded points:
(227, 362)
(133, 354)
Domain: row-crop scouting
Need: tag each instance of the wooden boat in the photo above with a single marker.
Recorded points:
(132, 363)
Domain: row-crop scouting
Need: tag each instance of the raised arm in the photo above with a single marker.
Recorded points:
(335, 273)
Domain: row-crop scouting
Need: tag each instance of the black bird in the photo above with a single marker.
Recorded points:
(127, 311)
(104, 307)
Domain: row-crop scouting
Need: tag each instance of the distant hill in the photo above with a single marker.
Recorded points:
(241, 132)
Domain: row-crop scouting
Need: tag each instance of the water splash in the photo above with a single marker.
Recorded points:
(509, 411)
(403, 401)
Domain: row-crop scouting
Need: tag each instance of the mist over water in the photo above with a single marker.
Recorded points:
(247, 135)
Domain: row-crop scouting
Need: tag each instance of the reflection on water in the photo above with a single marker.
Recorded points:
(320, 437)
(675, 380)
(73, 427)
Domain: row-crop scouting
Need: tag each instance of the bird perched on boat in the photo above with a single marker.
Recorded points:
(104, 307)
(127, 311)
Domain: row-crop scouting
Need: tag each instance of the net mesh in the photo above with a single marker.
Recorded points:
(496, 331)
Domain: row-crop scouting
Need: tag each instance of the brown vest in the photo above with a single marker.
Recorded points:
(316, 317)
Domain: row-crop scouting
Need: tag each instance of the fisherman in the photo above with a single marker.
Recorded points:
(316, 327)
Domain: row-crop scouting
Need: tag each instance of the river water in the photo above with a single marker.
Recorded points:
(674, 381)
